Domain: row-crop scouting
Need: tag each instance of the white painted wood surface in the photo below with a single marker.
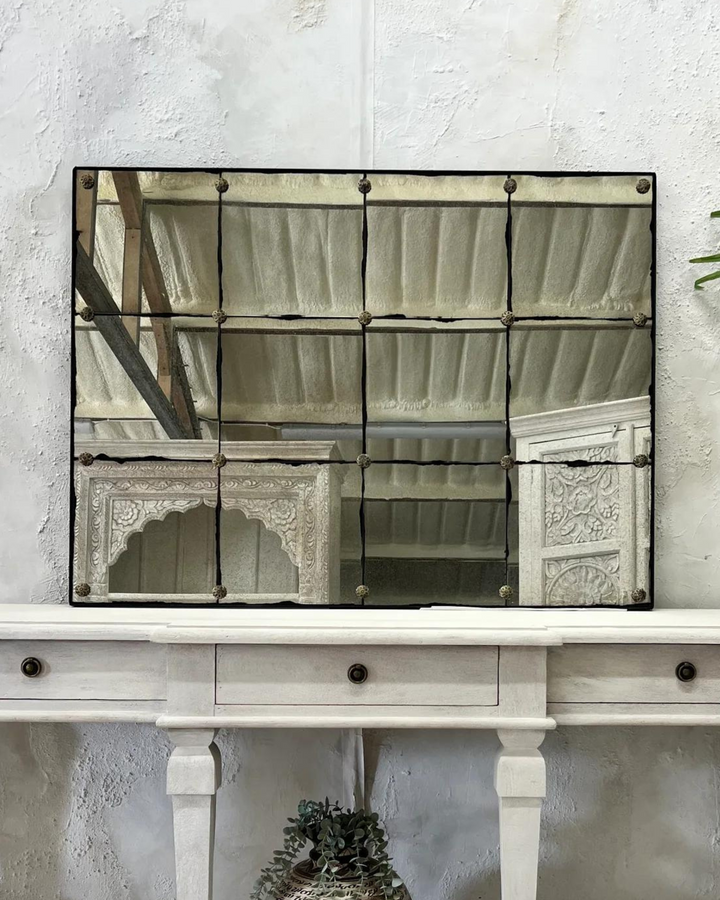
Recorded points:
(521, 682)
(84, 670)
(406, 676)
(191, 679)
(520, 786)
(673, 714)
(430, 626)
(318, 716)
(193, 779)
(515, 671)
(614, 673)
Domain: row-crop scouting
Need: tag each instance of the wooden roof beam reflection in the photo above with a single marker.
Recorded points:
(108, 322)
(171, 373)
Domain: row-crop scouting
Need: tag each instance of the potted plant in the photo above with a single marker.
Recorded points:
(348, 859)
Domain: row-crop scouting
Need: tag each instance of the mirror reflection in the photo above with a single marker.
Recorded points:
(435, 532)
(392, 390)
(581, 247)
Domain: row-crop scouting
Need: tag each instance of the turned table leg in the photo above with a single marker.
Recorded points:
(520, 785)
(193, 777)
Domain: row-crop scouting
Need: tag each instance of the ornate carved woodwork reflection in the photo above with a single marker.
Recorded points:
(300, 504)
(583, 516)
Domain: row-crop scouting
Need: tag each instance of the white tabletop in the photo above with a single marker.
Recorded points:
(432, 626)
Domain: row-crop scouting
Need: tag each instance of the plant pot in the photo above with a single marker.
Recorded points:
(300, 885)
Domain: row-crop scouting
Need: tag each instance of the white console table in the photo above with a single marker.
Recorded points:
(518, 672)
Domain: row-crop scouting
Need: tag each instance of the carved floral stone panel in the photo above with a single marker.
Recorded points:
(300, 504)
(582, 581)
(582, 504)
(583, 507)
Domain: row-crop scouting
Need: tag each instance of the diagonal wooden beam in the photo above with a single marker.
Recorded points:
(130, 197)
(171, 371)
(85, 208)
(181, 397)
(109, 323)
(131, 287)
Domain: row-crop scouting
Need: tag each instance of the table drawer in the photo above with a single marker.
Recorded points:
(84, 670)
(403, 676)
(632, 673)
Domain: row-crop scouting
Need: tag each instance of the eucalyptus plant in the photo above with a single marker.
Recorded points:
(345, 844)
(713, 258)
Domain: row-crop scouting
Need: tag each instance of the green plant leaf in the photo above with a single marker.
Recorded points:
(710, 258)
(701, 281)
(706, 259)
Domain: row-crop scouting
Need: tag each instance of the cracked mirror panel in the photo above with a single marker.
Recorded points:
(436, 246)
(582, 535)
(291, 383)
(291, 245)
(152, 239)
(583, 390)
(172, 556)
(436, 395)
(144, 530)
(582, 246)
(375, 390)
(256, 561)
(435, 534)
(144, 390)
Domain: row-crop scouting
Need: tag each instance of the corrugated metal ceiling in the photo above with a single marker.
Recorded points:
(423, 261)
(411, 377)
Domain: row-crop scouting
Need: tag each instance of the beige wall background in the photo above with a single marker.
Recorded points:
(545, 84)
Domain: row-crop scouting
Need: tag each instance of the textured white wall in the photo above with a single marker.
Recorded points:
(464, 83)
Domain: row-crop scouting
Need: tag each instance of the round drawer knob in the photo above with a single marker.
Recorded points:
(31, 667)
(357, 673)
(686, 671)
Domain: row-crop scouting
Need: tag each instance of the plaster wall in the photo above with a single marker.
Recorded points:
(623, 84)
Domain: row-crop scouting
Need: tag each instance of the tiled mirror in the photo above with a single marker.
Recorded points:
(374, 389)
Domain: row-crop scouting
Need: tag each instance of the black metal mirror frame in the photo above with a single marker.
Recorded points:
(645, 182)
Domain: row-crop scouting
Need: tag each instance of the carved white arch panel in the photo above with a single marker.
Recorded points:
(299, 503)
(129, 516)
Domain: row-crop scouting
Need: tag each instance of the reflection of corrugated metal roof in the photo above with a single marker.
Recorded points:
(411, 377)
(580, 258)
(423, 260)
(427, 530)
(390, 482)
(584, 261)
(564, 368)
